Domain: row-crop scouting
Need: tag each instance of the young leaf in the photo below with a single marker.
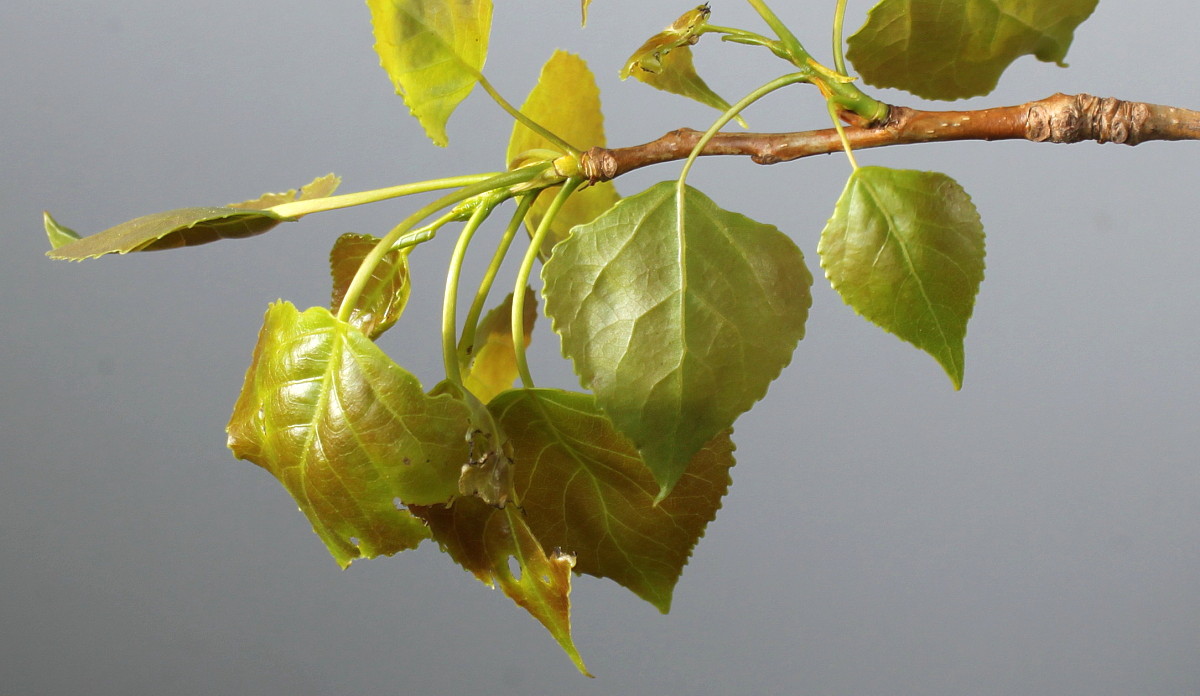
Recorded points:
(905, 250)
(348, 433)
(486, 540)
(566, 101)
(665, 62)
(677, 323)
(320, 187)
(56, 233)
(433, 50)
(585, 489)
(383, 299)
(953, 50)
(493, 366)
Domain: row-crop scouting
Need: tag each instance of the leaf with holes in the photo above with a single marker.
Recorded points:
(905, 249)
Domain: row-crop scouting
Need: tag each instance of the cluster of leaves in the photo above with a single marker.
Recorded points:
(675, 313)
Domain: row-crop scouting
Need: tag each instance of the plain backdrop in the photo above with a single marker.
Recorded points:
(1036, 533)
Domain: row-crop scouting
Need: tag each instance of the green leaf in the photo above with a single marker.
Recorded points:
(433, 51)
(905, 249)
(584, 488)
(383, 299)
(191, 226)
(952, 50)
(487, 541)
(493, 366)
(665, 62)
(677, 323)
(348, 433)
(566, 101)
(57, 234)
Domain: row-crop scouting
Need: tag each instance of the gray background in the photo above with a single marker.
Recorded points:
(1035, 533)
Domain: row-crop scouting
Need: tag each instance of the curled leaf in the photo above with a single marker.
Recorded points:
(382, 301)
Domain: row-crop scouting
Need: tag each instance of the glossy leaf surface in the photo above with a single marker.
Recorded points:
(493, 364)
(585, 489)
(488, 541)
(433, 53)
(952, 50)
(905, 249)
(566, 101)
(677, 315)
(382, 300)
(350, 434)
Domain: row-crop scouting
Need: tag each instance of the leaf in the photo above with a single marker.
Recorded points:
(487, 541)
(585, 489)
(348, 433)
(382, 300)
(191, 226)
(677, 324)
(493, 366)
(57, 234)
(905, 249)
(665, 62)
(487, 472)
(566, 101)
(953, 50)
(433, 52)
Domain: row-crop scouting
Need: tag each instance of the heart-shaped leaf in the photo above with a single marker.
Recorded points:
(677, 315)
(348, 433)
(952, 50)
(382, 300)
(905, 249)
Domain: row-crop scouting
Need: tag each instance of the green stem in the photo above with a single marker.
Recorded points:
(839, 16)
(525, 120)
(841, 131)
(785, 35)
(296, 209)
(518, 303)
(450, 299)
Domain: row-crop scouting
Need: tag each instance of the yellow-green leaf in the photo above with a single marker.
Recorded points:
(433, 51)
(321, 187)
(493, 366)
(56, 233)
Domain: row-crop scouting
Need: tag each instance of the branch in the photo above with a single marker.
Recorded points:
(1060, 118)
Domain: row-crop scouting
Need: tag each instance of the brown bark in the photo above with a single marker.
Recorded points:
(1060, 118)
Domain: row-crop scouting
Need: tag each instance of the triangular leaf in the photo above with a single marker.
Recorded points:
(678, 325)
(487, 541)
(493, 366)
(348, 433)
(382, 300)
(433, 52)
(566, 101)
(585, 489)
(905, 249)
(953, 50)
(56, 233)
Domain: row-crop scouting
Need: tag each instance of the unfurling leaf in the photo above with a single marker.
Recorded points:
(905, 249)
(487, 541)
(191, 226)
(566, 101)
(953, 50)
(56, 233)
(433, 52)
(348, 433)
(584, 489)
(677, 324)
(382, 300)
(665, 62)
(493, 364)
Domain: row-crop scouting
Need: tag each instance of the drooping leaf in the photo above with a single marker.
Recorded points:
(321, 187)
(487, 541)
(382, 300)
(677, 323)
(433, 52)
(952, 50)
(56, 233)
(665, 62)
(348, 433)
(493, 365)
(585, 489)
(566, 101)
(905, 249)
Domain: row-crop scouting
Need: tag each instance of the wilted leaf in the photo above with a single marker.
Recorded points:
(585, 489)
(487, 541)
(905, 249)
(321, 187)
(56, 233)
(382, 300)
(348, 433)
(953, 50)
(566, 101)
(433, 52)
(493, 366)
(678, 325)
